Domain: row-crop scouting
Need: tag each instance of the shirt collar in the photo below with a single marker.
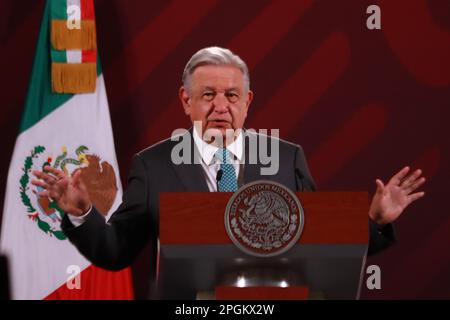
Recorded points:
(208, 150)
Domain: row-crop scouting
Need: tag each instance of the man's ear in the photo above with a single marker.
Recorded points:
(249, 98)
(185, 100)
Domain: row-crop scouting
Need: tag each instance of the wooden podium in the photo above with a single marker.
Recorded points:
(196, 254)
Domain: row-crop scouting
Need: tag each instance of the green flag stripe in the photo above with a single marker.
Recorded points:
(59, 9)
(40, 99)
(59, 56)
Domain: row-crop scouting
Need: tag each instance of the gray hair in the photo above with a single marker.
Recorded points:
(214, 56)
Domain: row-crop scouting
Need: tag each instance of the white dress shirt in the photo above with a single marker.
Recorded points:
(211, 165)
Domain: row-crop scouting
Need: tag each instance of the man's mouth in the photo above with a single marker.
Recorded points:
(217, 123)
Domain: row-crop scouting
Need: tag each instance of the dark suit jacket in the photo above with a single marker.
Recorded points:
(115, 244)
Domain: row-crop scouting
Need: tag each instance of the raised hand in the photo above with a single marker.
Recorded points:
(69, 192)
(390, 200)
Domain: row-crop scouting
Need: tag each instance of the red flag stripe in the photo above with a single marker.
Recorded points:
(89, 56)
(87, 10)
(98, 284)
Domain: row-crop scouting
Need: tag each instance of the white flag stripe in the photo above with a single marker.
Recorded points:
(74, 56)
(39, 261)
(74, 3)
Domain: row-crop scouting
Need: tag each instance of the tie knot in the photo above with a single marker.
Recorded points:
(223, 155)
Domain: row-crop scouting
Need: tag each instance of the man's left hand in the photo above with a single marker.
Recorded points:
(391, 199)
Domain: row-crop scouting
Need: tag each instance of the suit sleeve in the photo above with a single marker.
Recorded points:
(114, 244)
(303, 178)
(380, 237)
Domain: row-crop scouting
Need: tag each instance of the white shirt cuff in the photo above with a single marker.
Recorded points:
(79, 220)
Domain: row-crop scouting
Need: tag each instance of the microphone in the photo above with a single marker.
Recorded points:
(218, 178)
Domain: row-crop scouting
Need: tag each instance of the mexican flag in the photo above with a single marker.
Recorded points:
(65, 124)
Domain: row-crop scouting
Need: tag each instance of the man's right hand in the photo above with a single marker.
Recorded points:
(69, 192)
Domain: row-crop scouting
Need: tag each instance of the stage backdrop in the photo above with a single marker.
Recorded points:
(362, 103)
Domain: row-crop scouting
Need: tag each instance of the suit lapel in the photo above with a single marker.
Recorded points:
(191, 175)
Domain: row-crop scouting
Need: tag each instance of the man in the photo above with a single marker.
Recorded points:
(216, 96)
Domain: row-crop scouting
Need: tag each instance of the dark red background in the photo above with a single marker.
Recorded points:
(362, 103)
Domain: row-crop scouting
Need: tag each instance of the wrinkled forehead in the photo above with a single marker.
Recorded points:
(220, 77)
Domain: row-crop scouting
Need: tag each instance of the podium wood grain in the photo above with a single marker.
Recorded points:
(198, 217)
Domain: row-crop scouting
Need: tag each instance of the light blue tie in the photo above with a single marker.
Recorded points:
(228, 182)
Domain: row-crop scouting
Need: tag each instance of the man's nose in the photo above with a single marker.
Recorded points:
(220, 103)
